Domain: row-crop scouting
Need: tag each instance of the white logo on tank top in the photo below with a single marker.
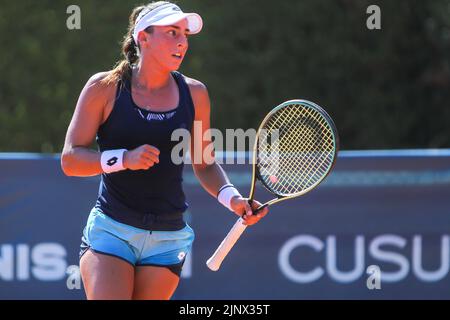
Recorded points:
(151, 116)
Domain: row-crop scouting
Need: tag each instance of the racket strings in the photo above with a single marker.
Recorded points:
(303, 164)
(311, 168)
(299, 163)
(290, 180)
(302, 153)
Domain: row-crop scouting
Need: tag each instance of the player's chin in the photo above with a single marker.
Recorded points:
(174, 65)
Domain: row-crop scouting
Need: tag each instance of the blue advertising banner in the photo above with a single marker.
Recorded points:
(377, 228)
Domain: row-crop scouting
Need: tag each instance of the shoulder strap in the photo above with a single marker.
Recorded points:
(185, 93)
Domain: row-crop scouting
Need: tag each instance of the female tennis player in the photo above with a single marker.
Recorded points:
(135, 241)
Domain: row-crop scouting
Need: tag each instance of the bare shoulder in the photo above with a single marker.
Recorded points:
(194, 84)
(99, 76)
(197, 88)
(98, 83)
(199, 93)
(98, 93)
(97, 97)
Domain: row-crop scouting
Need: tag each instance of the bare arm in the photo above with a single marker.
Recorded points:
(77, 159)
(208, 172)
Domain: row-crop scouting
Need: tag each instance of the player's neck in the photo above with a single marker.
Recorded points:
(151, 78)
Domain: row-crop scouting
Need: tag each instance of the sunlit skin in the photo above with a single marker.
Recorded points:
(107, 277)
(158, 51)
(157, 88)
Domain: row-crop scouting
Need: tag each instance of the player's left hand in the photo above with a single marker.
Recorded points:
(242, 208)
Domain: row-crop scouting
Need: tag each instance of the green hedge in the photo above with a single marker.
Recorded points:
(387, 88)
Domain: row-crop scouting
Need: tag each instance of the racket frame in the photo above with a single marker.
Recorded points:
(255, 171)
(215, 261)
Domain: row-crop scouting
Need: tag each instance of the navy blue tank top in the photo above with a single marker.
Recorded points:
(150, 199)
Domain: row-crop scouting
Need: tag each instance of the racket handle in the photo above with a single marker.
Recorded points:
(260, 208)
(216, 259)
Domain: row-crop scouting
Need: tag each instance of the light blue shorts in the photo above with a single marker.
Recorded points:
(138, 247)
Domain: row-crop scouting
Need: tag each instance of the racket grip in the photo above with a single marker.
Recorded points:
(224, 248)
(260, 208)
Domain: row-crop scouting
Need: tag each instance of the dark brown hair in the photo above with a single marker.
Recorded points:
(122, 69)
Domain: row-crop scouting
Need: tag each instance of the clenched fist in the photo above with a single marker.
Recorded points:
(141, 158)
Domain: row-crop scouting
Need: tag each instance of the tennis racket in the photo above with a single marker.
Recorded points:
(295, 148)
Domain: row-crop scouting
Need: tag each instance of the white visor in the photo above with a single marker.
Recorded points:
(166, 15)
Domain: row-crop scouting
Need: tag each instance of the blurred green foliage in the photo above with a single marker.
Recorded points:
(387, 88)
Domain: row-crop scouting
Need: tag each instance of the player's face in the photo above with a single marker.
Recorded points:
(167, 45)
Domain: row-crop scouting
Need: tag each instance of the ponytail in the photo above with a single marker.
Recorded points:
(122, 69)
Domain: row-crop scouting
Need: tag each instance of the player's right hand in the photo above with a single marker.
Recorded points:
(241, 207)
(141, 158)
